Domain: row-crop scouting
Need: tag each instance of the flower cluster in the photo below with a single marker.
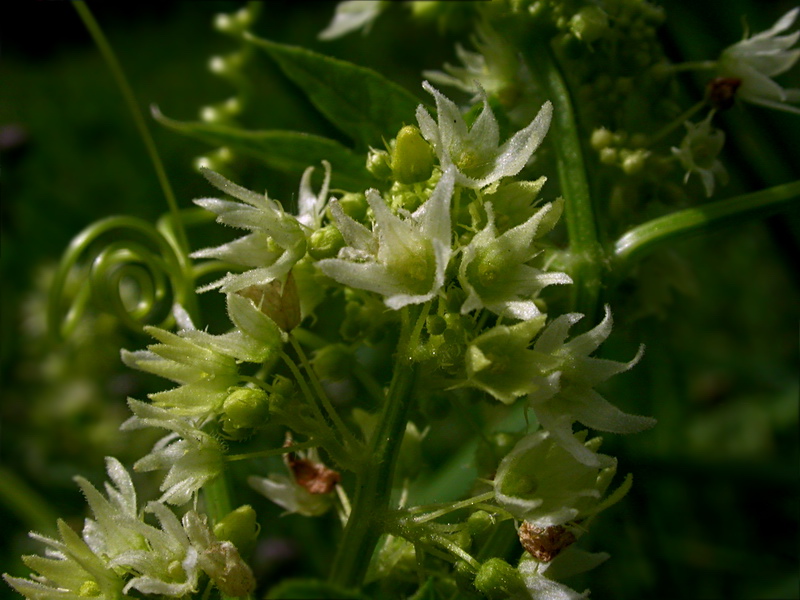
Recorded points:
(119, 553)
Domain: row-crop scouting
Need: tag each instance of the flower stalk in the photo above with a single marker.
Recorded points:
(643, 239)
(584, 246)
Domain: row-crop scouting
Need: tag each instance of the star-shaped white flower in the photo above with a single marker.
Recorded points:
(493, 268)
(755, 60)
(192, 456)
(566, 393)
(475, 152)
(276, 242)
(698, 153)
(403, 259)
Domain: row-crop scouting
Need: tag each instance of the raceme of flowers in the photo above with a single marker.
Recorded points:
(406, 258)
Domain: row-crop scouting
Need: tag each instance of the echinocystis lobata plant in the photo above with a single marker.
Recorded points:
(458, 260)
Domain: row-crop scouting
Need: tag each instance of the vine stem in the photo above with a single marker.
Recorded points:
(374, 481)
(586, 254)
(644, 238)
(130, 100)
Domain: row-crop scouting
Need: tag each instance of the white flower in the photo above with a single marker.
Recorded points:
(755, 60)
(192, 456)
(311, 206)
(698, 153)
(352, 15)
(496, 67)
(537, 575)
(565, 394)
(276, 243)
(403, 259)
(493, 268)
(307, 490)
(476, 153)
(542, 483)
(112, 532)
(179, 552)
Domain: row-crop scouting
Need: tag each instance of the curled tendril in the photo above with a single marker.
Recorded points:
(126, 267)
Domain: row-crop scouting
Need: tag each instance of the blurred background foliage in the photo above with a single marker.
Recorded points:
(714, 508)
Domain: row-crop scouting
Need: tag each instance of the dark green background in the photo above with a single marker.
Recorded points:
(714, 508)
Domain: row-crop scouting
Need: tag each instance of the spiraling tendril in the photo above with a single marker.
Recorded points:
(126, 267)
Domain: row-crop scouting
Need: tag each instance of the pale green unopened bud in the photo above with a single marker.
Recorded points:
(635, 161)
(354, 206)
(325, 242)
(283, 393)
(379, 163)
(479, 521)
(412, 156)
(601, 138)
(332, 362)
(244, 410)
(498, 580)
(240, 528)
(589, 24)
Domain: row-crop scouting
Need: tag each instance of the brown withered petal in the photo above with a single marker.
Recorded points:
(721, 91)
(544, 543)
(281, 303)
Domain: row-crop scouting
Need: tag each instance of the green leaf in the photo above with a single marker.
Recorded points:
(288, 151)
(362, 103)
(306, 589)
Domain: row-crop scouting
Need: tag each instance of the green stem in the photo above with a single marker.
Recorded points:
(347, 435)
(586, 254)
(374, 482)
(644, 238)
(273, 451)
(130, 100)
(680, 120)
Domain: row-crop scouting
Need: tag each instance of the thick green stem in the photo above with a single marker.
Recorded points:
(649, 236)
(586, 254)
(374, 481)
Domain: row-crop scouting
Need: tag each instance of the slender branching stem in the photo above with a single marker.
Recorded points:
(643, 239)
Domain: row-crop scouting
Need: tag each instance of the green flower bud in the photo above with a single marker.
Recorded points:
(333, 362)
(435, 324)
(498, 580)
(354, 206)
(601, 138)
(283, 391)
(479, 521)
(635, 161)
(244, 410)
(589, 24)
(609, 156)
(240, 528)
(379, 163)
(412, 156)
(325, 242)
